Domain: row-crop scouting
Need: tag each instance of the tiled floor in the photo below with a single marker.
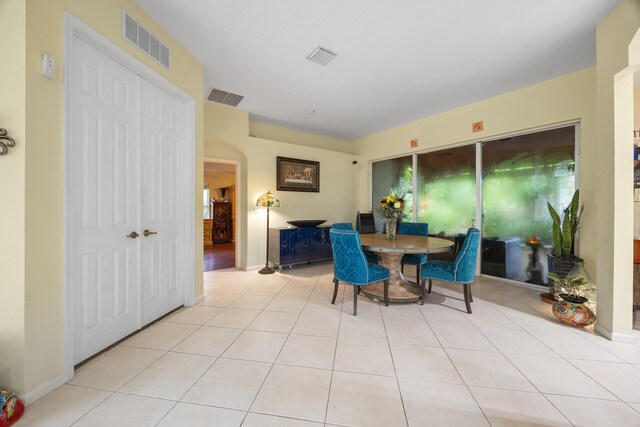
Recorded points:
(272, 351)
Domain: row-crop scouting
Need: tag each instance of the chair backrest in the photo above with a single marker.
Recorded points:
(413, 228)
(464, 266)
(365, 223)
(349, 262)
(342, 226)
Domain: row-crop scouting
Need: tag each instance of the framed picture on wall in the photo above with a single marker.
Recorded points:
(297, 175)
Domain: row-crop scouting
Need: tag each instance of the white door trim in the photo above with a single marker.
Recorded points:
(73, 27)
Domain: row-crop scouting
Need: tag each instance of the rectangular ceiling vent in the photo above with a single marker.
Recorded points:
(145, 41)
(321, 56)
(223, 97)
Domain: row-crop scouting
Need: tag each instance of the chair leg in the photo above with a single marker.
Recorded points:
(467, 296)
(402, 268)
(335, 291)
(386, 292)
(470, 295)
(424, 291)
(356, 290)
(429, 285)
(418, 273)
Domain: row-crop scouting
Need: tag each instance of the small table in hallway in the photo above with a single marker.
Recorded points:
(391, 252)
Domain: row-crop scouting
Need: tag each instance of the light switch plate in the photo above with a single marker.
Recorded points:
(48, 66)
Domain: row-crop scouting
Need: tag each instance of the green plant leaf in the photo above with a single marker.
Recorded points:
(557, 236)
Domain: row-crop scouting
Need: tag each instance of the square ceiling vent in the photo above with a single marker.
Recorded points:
(224, 97)
(321, 56)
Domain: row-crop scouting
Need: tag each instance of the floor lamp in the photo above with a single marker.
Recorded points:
(267, 200)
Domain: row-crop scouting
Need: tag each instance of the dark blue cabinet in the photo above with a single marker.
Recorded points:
(295, 245)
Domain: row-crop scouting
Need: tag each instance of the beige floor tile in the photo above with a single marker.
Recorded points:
(510, 408)
(517, 341)
(407, 313)
(262, 420)
(252, 302)
(410, 332)
(430, 403)
(127, 410)
(287, 304)
(462, 336)
(267, 290)
(573, 346)
(161, 336)
(196, 315)
(208, 341)
(318, 324)
(62, 407)
(543, 372)
(273, 321)
(234, 318)
(221, 299)
(256, 345)
(635, 406)
(630, 353)
(170, 376)
(115, 368)
(486, 316)
(189, 415)
(361, 329)
(229, 383)
(364, 400)
(621, 379)
(488, 369)
(365, 357)
(423, 363)
(309, 351)
(293, 391)
(583, 412)
(438, 310)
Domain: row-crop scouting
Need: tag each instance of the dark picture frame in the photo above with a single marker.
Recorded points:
(297, 175)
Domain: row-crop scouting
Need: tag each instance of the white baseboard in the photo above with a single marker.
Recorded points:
(614, 336)
(43, 390)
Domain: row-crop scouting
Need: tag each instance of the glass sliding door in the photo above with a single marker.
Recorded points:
(446, 190)
(393, 175)
(519, 176)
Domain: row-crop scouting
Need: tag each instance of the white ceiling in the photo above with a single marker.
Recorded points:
(397, 61)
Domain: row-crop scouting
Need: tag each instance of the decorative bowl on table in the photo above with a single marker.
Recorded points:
(307, 222)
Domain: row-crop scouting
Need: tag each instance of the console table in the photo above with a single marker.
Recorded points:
(296, 245)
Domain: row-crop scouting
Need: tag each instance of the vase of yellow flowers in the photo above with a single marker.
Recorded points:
(391, 208)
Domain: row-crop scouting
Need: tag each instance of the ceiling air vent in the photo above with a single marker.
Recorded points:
(145, 41)
(223, 97)
(321, 56)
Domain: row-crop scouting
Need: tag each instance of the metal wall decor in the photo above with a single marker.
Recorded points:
(5, 142)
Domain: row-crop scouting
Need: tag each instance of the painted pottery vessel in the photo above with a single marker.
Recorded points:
(573, 314)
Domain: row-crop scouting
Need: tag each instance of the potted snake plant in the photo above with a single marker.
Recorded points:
(563, 258)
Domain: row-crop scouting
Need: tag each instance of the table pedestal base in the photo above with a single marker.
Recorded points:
(400, 289)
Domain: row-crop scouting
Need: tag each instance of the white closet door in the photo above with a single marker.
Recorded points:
(162, 143)
(103, 203)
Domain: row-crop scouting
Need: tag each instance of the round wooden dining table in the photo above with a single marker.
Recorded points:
(391, 252)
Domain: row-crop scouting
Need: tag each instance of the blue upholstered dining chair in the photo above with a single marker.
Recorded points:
(350, 266)
(461, 270)
(371, 257)
(414, 229)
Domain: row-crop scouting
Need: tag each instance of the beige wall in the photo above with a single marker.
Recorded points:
(227, 137)
(279, 133)
(12, 194)
(219, 180)
(615, 179)
(41, 148)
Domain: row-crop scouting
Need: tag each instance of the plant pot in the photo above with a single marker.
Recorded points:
(562, 267)
(576, 299)
(573, 314)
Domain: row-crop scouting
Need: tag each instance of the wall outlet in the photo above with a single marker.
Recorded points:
(48, 66)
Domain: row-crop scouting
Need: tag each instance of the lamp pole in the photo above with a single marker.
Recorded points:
(267, 269)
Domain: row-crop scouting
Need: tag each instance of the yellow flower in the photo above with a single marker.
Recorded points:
(397, 205)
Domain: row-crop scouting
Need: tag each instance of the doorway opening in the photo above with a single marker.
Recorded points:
(219, 215)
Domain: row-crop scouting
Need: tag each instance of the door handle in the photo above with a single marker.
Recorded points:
(148, 233)
(132, 235)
